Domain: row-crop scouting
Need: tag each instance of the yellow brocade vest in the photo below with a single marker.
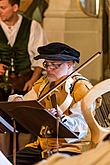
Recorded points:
(78, 87)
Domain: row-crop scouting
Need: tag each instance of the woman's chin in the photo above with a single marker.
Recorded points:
(51, 79)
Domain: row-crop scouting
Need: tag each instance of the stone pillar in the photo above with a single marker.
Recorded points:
(65, 22)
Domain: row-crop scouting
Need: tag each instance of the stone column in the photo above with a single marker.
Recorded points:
(65, 22)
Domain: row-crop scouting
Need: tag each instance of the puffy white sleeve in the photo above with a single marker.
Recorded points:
(31, 95)
(37, 38)
(76, 122)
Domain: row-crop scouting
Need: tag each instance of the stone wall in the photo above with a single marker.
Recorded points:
(65, 22)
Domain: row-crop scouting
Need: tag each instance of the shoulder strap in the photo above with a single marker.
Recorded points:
(76, 78)
(69, 87)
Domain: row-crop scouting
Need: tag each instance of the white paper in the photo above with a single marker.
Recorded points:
(4, 160)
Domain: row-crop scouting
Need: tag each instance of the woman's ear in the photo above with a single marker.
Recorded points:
(70, 63)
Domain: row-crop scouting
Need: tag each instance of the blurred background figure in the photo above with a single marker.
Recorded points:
(19, 39)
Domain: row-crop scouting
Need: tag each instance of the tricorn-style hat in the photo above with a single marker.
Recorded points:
(58, 51)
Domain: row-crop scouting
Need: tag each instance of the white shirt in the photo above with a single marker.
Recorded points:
(37, 38)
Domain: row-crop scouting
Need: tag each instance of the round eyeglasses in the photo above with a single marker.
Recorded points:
(51, 64)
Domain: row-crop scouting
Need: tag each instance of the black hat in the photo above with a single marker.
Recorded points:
(58, 51)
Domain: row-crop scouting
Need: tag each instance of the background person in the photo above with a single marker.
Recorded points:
(19, 39)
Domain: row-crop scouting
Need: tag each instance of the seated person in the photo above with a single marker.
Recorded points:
(59, 62)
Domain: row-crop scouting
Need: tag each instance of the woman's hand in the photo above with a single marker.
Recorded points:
(15, 97)
(54, 111)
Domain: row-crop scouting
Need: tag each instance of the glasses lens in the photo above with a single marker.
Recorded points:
(45, 64)
(52, 65)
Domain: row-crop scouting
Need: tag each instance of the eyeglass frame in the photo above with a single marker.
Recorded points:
(53, 65)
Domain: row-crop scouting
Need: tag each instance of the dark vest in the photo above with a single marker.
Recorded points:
(19, 51)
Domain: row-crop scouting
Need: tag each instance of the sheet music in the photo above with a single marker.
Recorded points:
(4, 160)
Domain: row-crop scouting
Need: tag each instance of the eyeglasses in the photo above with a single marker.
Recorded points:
(51, 64)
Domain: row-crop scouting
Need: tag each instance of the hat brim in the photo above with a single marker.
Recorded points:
(57, 57)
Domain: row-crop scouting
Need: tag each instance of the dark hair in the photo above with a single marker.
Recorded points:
(12, 2)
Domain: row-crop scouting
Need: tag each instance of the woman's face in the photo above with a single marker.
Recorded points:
(55, 69)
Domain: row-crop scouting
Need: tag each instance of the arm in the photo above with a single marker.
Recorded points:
(76, 122)
(37, 38)
(36, 75)
(31, 95)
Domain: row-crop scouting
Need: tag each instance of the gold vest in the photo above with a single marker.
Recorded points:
(78, 91)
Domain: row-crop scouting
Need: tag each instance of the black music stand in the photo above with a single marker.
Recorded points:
(32, 116)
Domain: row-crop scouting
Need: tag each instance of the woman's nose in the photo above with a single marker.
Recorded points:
(49, 67)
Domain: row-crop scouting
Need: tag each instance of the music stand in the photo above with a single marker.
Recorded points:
(32, 116)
